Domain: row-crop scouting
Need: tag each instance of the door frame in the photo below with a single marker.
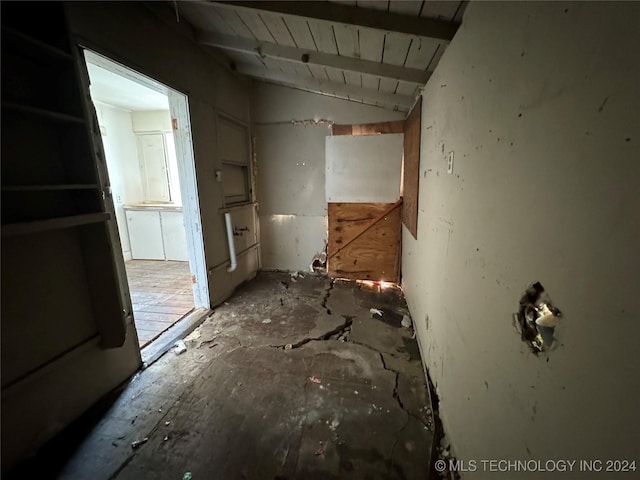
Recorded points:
(179, 111)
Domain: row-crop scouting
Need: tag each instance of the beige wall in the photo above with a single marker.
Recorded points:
(539, 103)
(290, 155)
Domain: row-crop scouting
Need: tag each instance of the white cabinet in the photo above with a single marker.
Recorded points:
(145, 235)
(156, 233)
(174, 236)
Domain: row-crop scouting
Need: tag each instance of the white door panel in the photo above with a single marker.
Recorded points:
(145, 235)
(174, 236)
(153, 168)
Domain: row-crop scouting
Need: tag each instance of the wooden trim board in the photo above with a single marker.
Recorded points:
(369, 128)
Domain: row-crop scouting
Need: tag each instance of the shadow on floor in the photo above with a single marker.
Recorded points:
(289, 379)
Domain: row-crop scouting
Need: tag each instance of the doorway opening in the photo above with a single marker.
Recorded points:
(146, 137)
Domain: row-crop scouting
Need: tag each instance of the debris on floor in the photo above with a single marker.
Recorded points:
(266, 320)
(195, 335)
(295, 275)
(137, 443)
(251, 405)
(406, 321)
(179, 347)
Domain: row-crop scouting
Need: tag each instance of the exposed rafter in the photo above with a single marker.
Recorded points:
(404, 102)
(349, 15)
(299, 55)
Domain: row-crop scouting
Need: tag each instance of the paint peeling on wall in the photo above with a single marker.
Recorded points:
(306, 123)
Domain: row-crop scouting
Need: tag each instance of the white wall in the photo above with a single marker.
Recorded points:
(151, 121)
(539, 103)
(291, 168)
(121, 152)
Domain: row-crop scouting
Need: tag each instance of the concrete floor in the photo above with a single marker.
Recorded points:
(286, 380)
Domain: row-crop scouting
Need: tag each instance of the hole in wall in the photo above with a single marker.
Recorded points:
(319, 262)
(537, 319)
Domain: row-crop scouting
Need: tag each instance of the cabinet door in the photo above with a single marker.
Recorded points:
(174, 236)
(145, 235)
(153, 168)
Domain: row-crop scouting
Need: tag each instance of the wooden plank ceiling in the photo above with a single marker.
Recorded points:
(378, 52)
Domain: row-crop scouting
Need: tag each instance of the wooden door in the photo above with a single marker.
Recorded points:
(364, 241)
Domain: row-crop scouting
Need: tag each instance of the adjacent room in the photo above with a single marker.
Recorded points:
(140, 152)
(386, 239)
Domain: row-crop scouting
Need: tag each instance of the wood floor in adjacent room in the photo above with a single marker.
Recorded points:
(161, 295)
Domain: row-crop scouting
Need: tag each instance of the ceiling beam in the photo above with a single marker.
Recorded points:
(299, 55)
(350, 15)
(389, 100)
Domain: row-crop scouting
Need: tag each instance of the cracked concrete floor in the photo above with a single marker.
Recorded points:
(286, 380)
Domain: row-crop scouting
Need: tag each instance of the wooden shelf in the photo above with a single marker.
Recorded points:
(27, 228)
(48, 188)
(49, 114)
(33, 45)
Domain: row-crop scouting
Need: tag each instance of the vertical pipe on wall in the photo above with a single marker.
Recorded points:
(232, 247)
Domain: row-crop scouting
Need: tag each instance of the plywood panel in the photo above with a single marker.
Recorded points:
(411, 178)
(369, 128)
(364, 243)
(363, 168)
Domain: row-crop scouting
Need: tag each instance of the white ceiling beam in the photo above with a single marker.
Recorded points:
(329, 88)
(299, 55)
(350, 15)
